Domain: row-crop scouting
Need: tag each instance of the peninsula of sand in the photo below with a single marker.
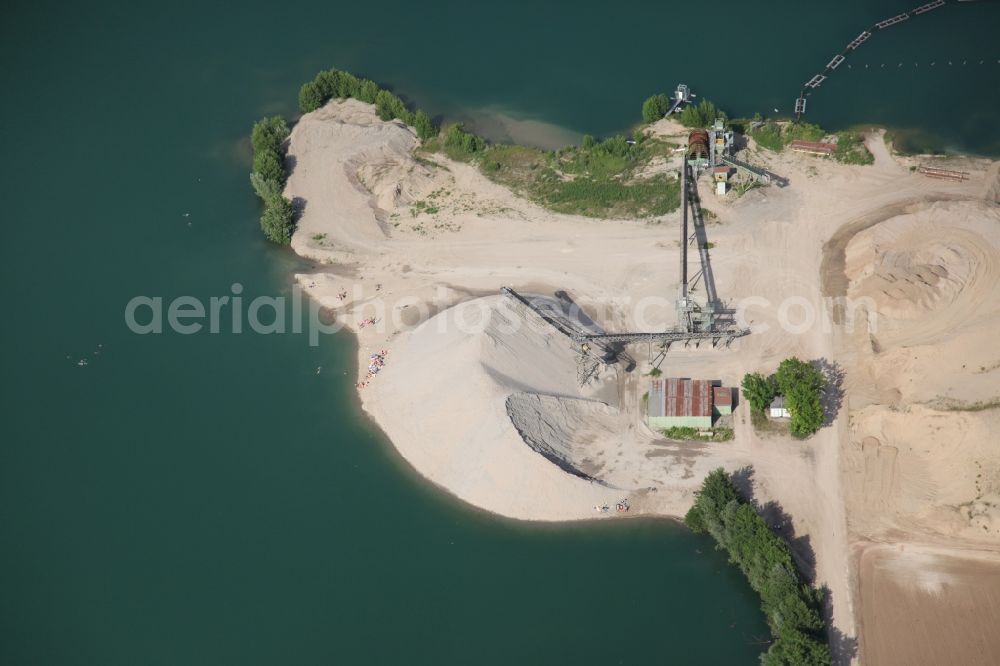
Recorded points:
(894, 505)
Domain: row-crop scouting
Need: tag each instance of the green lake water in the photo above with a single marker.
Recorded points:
(210, 499)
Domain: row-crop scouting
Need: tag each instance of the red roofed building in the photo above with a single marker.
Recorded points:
(680, 403)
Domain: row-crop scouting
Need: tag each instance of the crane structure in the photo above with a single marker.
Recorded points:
(705, 321)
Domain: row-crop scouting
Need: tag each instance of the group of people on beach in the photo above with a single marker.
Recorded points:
(375, 363)
(367, 322)
(621, 507)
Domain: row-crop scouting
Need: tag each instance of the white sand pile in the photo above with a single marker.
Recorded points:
(502, 423)
(471, 384)
(928, 272)
(348, 169)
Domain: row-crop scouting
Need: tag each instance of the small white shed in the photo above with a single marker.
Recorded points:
(777, 409)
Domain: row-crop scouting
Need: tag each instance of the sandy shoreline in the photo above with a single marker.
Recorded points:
(484, 403)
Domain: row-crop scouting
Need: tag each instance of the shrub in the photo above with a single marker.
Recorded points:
(277, 220)
(460, 143)
(388, 106)
(331, 84)
(327, 85)
(310, 97)
(269, 165)
(702, 114)
(655, 107)
(680, 432)
(424, 126)
(367, 91)
(268, 178)
(265, 189)
(347, 85)
(269, 134)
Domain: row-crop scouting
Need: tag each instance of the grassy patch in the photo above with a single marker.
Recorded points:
(722, 434)
(775, 137)
(768, 136)
(684, 433)
(978, 406)
(681, 432)
(596, 179)
(852, 150)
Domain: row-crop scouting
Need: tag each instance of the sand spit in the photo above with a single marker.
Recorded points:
(484, 401)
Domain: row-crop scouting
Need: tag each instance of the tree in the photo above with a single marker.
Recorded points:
(717, 491)
(802, 384)
(327, 85)
(268, 177)
(269, 165)
(310, 97)
(702, 114)
(759, 390)
(388, 106)
(367, 91)
(790, 606)
(793, 372)
(269, 134)
(796, 648)
(277, 220)
(265, 189)
(806, 408)
(424, 126)
(348, 85)
(460, 141)
(655, 107)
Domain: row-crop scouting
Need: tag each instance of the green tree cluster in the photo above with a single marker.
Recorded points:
(759, 390)
(460, 144)
(789, 604)
(702, 114)
(655, 107)
(802, 384)
(268, 178)
(424, 125)
(336, 84)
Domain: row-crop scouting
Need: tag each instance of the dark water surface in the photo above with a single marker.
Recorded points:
(210, 499)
